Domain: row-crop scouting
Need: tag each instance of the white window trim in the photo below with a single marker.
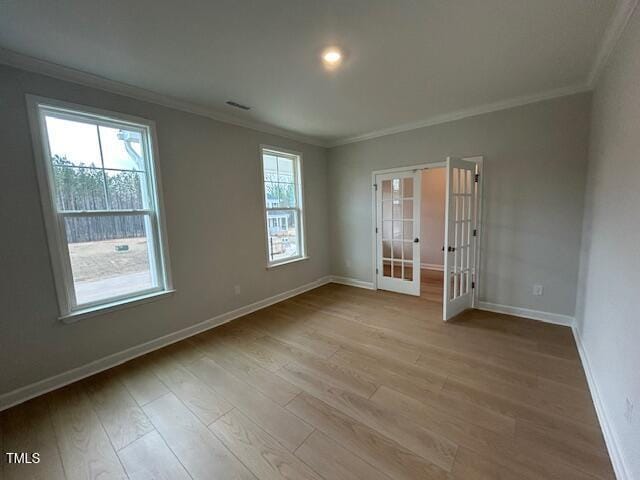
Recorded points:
(57, 244)
(301, 209)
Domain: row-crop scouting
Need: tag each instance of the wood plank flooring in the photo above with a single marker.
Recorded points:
(336, 383)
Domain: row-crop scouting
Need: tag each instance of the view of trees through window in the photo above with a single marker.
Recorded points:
(84, 189)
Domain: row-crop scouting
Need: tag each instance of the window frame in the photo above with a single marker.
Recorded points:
(38, 108)
(300, 208)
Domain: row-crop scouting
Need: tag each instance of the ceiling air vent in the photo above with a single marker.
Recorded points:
(238, 105)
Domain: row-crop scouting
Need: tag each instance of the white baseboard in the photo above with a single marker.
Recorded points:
(610, 438)
(432, 266)
(548, 317)
(352, 282)
(41, 387)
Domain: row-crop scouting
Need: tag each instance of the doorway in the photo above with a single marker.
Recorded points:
(432, 223)
(427, 235)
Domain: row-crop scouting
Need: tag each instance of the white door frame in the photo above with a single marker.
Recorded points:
(475, 300)
(374, 206)
(478, 159)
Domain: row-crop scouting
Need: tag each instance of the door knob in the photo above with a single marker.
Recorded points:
(416, 240)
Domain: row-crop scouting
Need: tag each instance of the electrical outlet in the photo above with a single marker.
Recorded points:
(537, 290)
(236, 289)
(628, 412)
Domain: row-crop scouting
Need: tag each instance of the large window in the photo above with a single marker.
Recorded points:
(100, 193)
(282, 182)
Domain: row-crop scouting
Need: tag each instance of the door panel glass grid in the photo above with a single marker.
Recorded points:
(462, 187)
(397, 228)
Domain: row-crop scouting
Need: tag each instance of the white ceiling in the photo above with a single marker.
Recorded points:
(406, 61)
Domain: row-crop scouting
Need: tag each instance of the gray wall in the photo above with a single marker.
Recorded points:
(432, 211)
(608, 308)
(535, 165)
(213, 206)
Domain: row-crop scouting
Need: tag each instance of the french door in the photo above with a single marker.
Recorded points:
(460, 236)
(398, 232)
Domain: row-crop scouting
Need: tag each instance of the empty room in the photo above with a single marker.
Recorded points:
(328, 240)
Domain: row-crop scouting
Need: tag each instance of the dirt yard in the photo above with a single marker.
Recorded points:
(99, 260)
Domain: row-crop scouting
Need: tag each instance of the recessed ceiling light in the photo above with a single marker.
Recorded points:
(332, 57)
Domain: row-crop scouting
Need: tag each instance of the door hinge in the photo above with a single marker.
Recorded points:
(476, 177)
(376, 229)
(375, 186)
(473, 284)
(475, 232)
(376, 271)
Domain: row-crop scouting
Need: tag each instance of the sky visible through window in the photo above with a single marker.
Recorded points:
(80, 144)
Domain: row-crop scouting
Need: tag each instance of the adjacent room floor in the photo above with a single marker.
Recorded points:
(431, 287)
(337, 383)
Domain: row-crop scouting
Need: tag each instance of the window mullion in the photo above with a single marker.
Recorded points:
(296, 180)
(104, 173)
(300, 233)
(97, 213)
(280, 209)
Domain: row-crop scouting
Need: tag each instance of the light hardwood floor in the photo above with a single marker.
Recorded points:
(336, 383)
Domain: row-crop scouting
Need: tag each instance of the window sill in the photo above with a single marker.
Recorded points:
(287, 262)
(111, 307)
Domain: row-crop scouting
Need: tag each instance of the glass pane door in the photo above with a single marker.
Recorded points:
(460, 247)
(398, 227)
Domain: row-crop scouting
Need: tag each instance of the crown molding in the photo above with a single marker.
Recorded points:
(50, 69)
(618, 22)
(461, 114)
